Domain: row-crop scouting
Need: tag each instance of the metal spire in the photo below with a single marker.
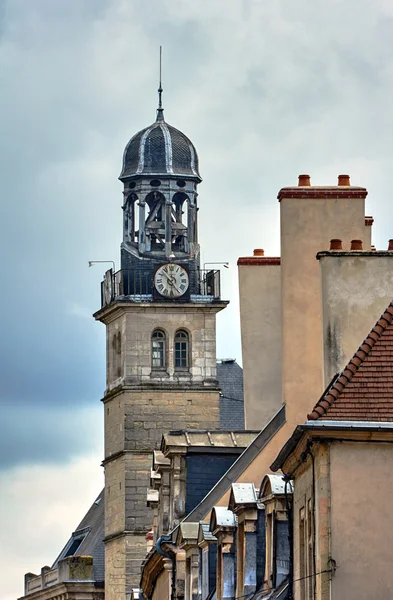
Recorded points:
(160, 110)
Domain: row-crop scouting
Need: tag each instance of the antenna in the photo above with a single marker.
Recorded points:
(160, 110)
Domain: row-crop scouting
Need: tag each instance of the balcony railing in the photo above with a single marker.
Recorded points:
(138, 286)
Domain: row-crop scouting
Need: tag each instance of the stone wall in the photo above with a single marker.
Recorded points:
(129, 330)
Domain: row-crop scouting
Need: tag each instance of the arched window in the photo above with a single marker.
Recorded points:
(158, 349)
(181, 350)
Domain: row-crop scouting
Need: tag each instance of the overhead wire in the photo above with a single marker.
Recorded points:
(229, 398)
(271, 589)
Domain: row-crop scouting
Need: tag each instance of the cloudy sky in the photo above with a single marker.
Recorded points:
(265, 89)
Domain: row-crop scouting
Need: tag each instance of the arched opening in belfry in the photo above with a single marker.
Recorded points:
(155, 221)
(130, 219)
(180, 203)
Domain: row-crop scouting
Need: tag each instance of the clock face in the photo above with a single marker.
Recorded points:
(171, 280)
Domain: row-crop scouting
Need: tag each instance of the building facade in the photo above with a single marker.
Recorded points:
(340, 461)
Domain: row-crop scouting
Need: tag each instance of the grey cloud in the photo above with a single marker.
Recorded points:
(35, 435)
(265, 91)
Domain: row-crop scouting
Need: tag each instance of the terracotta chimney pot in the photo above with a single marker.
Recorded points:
(304, 180)
(356, 245)
(343, 180)
(259, 252)
(336, 245)
(373, 249)
(390, 247)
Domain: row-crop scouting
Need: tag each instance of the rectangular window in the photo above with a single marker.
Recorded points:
(181, 355)
(157, 354)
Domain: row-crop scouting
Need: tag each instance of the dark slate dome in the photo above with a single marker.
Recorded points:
(160, 150)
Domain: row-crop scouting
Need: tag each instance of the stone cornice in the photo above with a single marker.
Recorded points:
(291, 455)
(111, 312)
(161, 387)
(322, 192)
(121, 453)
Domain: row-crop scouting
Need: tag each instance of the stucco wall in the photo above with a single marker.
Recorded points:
(361, 520)
(356, 290)
(307, 226)
(260, 319)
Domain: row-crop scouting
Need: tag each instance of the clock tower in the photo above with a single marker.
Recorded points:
(160, 311)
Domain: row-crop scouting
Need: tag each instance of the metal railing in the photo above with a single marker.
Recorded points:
(137, 285)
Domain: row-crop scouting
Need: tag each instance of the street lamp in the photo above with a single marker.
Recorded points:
(94, 262)
(226, 264)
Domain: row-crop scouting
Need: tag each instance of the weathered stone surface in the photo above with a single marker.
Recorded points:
(141, 405)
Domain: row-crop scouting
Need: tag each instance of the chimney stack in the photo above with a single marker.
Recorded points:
(356, 245)
(304, 180)
(390, 247)
(343, 180)
(336, 245)
(259, 252)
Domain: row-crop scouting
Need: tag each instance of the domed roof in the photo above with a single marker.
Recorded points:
(160, 150)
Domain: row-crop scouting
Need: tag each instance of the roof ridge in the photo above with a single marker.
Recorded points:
(346, 375)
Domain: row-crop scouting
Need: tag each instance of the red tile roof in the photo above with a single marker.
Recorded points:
(259, 261)
(364, 389)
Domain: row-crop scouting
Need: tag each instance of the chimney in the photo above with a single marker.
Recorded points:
(259, 252)
(336, 245)
(390, 247)
(356, 245)
(343, 180)
(304, 180)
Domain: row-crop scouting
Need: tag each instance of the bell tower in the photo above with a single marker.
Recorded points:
(160, 311)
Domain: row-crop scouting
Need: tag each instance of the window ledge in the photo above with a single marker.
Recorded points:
(159, 372)
(182, 373)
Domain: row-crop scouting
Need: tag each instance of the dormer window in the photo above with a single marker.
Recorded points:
(72, 546)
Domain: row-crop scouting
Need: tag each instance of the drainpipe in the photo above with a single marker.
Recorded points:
(167, 539)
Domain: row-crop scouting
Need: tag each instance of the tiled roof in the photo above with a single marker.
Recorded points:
(230, 379)
(258, 261)
(363, 391)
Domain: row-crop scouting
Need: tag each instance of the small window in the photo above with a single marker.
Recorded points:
(158, 350)
(181, 350)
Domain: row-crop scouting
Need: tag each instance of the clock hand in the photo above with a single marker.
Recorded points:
(169, 278)
(173, 285)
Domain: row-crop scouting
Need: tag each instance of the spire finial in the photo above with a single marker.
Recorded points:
(160, 110)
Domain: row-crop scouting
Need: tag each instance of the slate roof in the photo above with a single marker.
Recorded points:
(363, 391)
(93, 543)
(239, 466)
(230, 378)
(160, 149)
